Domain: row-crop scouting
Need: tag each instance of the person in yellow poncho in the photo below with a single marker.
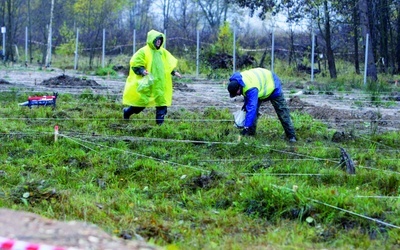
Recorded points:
(149, 83)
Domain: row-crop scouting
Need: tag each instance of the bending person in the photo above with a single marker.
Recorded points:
(259, 85)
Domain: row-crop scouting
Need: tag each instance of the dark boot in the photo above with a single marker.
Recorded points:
(252, 130)
(127, 112)
(160, 114)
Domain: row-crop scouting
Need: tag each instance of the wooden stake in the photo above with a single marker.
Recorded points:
(55, 133)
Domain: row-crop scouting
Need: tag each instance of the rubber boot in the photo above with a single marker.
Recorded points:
(127, 112)
(160, 114)
(131, 110)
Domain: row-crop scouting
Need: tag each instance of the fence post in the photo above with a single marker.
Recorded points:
(366, 59)
(234, 50)
(26, 46)
(104, 48)
(272, 48)
(197, 52)
(312, 55)
(76, 49)
(3, 31)
(134, 42)
(165, 42)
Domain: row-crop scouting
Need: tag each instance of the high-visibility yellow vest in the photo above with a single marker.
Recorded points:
(259, 78)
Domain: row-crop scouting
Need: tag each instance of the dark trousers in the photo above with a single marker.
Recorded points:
(282, 110)
(160, 112)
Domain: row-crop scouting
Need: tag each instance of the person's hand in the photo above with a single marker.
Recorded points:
(177, 74)
(247, 131)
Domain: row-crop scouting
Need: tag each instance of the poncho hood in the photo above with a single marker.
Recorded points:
(152, 36)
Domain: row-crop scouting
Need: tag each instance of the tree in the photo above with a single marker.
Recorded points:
(93, 16)
(294, 14)
(185, 15)
(166, 10)
(397, 52)
(327, 36)
(311, 8)
(68, 43)
(49, 37)
(321, 12)
(12, 20)
(139, 14)
(354, 17)
(365, 29)
(225, 39)
(384, 36)
(348, 11)
(29, 32)
(264, 7)
(215, 12)
(36, 15)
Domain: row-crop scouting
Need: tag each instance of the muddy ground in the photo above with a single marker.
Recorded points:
(344, 111)
(347, 113)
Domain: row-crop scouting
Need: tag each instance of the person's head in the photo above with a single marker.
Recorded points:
(234, 88)
(155, 39)
(158, 42)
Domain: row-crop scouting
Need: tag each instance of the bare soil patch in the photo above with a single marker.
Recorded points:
(27, 228)
(68, 81)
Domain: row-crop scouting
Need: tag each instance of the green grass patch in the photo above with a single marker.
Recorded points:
(191, 183)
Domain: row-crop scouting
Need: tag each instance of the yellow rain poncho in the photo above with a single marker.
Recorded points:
(154, 89)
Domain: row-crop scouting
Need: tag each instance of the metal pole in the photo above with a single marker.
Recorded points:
(76, 49)
(197, 53)
(50, 44)
(272, 49)
(3, 30)
(134, 41)
(26, 46)
(165, 42)
(104, 48)
(366, 59)
(234, 50)
(312, 56)
(50, 37)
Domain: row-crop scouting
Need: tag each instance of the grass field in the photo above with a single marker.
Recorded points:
(193, 183)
